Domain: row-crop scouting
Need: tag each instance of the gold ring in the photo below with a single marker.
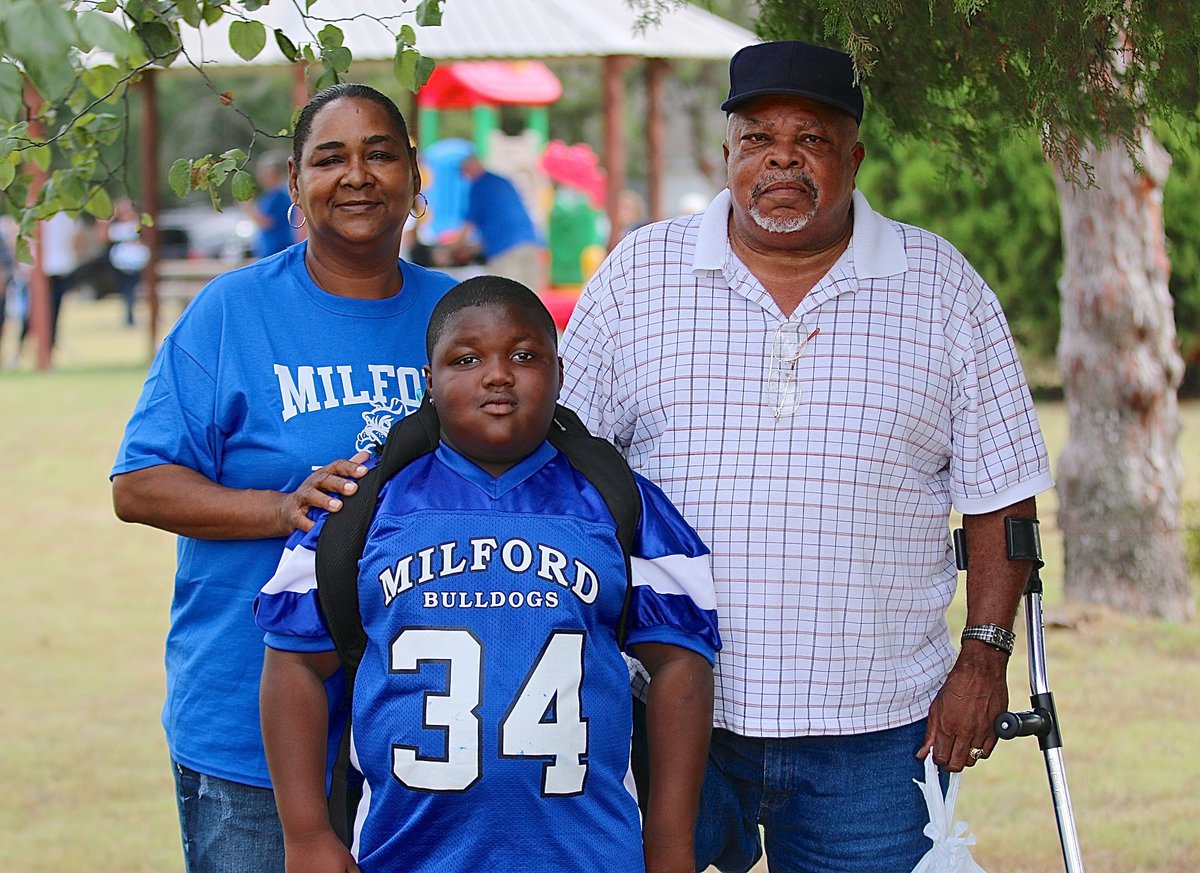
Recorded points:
(975, 754)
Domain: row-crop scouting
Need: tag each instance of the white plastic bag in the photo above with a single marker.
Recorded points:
(950, 852)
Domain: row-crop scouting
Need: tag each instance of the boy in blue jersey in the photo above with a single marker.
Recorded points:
(491, 711)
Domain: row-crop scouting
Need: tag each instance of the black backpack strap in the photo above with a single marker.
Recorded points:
(340, 546)
(339, 549)
(603, 465)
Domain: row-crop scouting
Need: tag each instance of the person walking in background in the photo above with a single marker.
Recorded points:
(499, 220)
(270, 208)
(8, 276)
(127, 254)
(273, 370)
(60, 242)
(815, 386)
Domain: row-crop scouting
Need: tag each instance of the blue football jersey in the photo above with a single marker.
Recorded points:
(492, 714)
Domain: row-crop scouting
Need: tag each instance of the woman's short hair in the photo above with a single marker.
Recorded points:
(352, 91)
(488, 291)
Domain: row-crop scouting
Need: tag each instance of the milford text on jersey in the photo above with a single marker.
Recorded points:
(450, 559)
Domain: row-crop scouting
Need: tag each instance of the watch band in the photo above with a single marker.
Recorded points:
(992, 634)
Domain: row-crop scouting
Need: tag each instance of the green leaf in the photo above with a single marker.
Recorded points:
(424, 70)
(147, 220)
(8, 172)
(41, 155)
(247, 38)
(407, 35)
(243, 186)
(160, 40)
(72, 189)
(43, 44)
(212, 13)
(330, 36)
(189, 10)
(107, 5)
(180, 177)
(286, 46)
(236, 155)
(339, 58)
(404, 67)
(8, 145)
(328, 77)
(429, 13)
(138, 11)
(99, 204)
(215, 195)
(104, 32)
(101, 80)
(253, 5)
(11, 92)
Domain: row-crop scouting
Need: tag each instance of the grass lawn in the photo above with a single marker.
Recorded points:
(83, 764)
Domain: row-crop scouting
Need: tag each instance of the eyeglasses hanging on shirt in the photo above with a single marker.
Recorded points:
(787, 347)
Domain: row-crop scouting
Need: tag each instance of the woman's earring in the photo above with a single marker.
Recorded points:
(424, 206)
(303, 217)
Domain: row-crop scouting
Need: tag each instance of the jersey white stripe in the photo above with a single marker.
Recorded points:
(677, 574)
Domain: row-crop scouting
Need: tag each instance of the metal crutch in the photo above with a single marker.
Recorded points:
(1024, 544)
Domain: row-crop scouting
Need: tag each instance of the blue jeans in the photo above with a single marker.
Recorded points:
(227, 827)
(826, 804)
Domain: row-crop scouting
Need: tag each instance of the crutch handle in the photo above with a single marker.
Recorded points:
(1033, 723)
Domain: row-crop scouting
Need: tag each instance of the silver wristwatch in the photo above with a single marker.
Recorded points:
(992, 634)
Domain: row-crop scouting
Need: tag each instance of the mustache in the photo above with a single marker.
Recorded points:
(770, 177)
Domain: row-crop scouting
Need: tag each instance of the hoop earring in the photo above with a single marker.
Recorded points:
(303, 217)
(424, 206)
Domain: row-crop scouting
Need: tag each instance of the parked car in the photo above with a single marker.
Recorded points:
(198, 232)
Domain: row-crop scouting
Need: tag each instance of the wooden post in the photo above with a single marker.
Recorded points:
(39, 284)
(148, 146)
(299, 84)
(614, 142)
(656, 135)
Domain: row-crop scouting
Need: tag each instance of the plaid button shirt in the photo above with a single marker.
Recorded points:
(828, 525)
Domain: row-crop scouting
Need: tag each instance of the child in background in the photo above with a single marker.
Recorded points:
(492, 711)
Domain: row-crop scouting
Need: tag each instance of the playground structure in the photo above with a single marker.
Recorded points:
(562, 185)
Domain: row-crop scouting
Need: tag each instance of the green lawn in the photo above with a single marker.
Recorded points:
(86, 783)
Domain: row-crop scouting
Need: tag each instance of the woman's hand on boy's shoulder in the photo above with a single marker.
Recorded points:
(320, 491)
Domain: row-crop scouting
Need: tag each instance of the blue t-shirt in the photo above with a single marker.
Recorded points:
(277, 235)
(492, 708)
(496, 209)
(264, 378)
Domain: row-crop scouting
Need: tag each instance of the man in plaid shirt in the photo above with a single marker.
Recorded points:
(815, 386)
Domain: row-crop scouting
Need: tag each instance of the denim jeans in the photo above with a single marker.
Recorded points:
(227, 827)
(843, 804)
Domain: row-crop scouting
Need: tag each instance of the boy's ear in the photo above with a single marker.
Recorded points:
(560, 376)
(428, 374)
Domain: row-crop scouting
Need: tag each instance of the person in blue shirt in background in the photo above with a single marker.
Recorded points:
(270, 208)
(498, 220)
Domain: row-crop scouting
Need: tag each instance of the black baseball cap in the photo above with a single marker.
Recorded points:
(794, 68)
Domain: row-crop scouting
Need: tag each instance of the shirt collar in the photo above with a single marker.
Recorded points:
(878, 248)
(496, 486)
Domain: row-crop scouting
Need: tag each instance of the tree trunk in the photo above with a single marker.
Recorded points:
(1120, 474)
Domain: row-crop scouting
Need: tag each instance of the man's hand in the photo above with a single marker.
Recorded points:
(320, 491)
(961, 717)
